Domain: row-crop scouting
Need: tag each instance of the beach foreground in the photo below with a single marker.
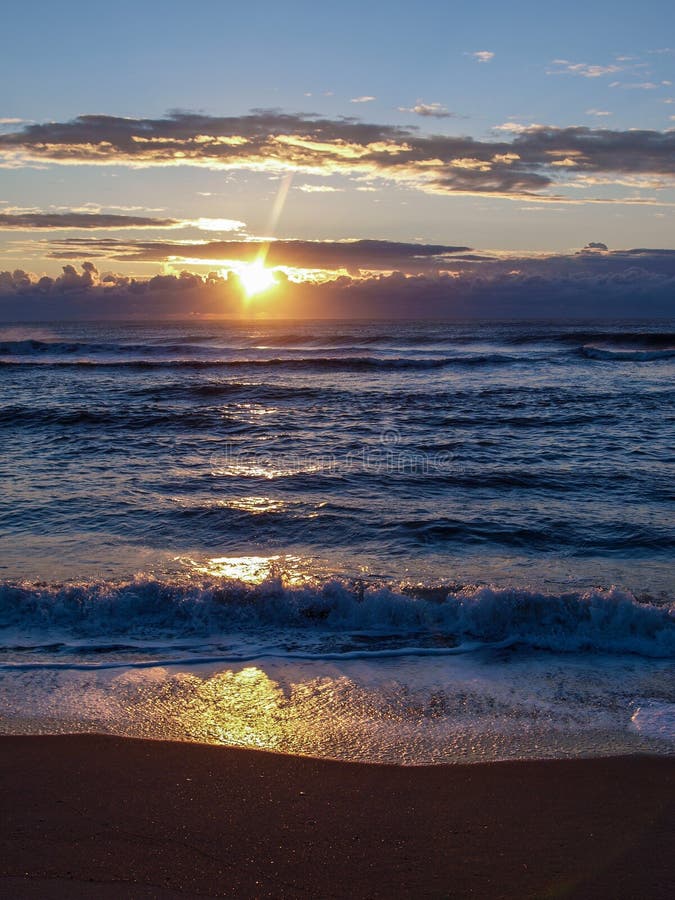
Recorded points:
(100, 816)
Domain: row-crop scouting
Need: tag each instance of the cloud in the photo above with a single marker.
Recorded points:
(208, 224)
(519, 128)
(9, 121)
(433, 110)
(365, 99)
(27, 221)
(15, 219)
(586, 70)
(360, 257)
(639, 85)
(529, 166)
(598, 112)
(317, 188)
(352, 256)
(635, 86)
(22, 282)
(482, 56)
(612, 284)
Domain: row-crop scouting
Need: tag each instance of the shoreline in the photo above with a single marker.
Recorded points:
(100, 816)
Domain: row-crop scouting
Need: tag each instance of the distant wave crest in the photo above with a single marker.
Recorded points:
(344, 363)
(627, 354)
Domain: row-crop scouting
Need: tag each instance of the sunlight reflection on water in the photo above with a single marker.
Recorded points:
(250, 569)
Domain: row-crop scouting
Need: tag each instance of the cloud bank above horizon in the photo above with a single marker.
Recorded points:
(429, 282)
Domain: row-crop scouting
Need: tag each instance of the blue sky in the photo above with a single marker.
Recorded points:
(141, 59)
(452, 70)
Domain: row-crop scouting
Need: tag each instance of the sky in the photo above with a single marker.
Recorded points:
(455, 145)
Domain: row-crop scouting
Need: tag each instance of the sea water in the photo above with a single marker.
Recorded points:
(377, 541)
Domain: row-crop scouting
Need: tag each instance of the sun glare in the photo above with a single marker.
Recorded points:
(255, 278)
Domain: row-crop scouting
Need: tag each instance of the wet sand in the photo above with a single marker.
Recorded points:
(106, 817)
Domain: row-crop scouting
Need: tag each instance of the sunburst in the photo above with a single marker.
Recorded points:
(256, 278)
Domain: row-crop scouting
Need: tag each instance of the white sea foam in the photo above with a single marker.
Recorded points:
(655, 719)
(407, 710)
(627, 354)
(336, 617)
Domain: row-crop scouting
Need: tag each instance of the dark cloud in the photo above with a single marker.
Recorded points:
(538, 158)
(29, 221)
(600, 284)
(331, 255)
(93, 284)
(365, 256)
(23, 283)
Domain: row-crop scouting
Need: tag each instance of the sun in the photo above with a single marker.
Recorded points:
(255, 278)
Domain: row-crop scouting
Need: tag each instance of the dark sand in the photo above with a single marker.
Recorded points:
(94, 816)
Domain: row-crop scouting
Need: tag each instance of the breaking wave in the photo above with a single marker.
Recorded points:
(431, 619)
(628, 354)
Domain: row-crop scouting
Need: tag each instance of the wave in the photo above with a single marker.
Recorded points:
(214, 345)
(295, 518)
(242, 341)
(604, 621)
(646, 339)
(356, 339)
(203, 416)
(33, 347)
(329, 363)
(257, 390)
(457, 336)
(142, 417)
(627, 354)
(542, 420)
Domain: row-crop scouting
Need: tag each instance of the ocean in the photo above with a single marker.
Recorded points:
(379, 541)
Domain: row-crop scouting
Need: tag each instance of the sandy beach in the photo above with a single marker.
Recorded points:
(100, 816)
